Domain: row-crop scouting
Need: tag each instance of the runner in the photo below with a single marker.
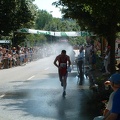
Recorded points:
(62, 61)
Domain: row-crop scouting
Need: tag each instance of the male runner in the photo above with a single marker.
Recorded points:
(62, 61)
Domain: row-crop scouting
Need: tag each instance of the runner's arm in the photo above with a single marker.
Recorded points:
(55, 62)
(69, 61)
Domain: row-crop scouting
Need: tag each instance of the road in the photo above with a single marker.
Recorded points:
(33, 92)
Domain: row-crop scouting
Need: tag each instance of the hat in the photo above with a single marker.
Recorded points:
(115, 78)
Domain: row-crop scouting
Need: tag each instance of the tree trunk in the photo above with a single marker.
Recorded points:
(111, 42)
(102, 46)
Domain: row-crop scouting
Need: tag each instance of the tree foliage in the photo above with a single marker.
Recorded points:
(101, 17)
(43, 18)
(15, 14)
(45, 21)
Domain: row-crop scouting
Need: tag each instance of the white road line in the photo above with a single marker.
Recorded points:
(47, 68)
(34, 76)
(1, 96)
(31, 77)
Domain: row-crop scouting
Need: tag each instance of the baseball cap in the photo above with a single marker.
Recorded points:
(115, 78)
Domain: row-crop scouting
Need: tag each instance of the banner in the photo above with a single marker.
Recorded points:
(52, 33)
(5, 41)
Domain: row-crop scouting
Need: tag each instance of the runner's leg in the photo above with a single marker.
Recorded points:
(60, 78)
(64, 84)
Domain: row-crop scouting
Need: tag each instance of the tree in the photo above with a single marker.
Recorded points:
(16, 14)
(101, 17)
(43, 18)
(35, 39)
(77, 40)
(45, 21)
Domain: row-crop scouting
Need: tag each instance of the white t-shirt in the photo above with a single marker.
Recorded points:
(81, 56)
(109, 104)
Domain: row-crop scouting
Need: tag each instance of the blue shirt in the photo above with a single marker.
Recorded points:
(81, 56)
(116, 104)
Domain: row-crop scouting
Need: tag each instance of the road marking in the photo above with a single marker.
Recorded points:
(1, 96)
(47, 68)
(31, 77)
(34, 75)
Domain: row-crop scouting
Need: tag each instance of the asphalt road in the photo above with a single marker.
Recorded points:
(33, 92)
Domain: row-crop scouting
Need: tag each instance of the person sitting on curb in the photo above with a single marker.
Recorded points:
(106, 112)
(109, 104)
(115, 110)
(112, 111)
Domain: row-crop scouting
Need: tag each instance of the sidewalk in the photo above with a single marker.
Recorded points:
(88, 101)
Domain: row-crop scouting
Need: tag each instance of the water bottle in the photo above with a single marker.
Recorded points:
(69, 69)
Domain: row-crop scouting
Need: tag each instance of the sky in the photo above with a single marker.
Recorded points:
(47, 5)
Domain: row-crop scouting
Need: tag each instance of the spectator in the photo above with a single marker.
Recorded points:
(80, 64)
(17, 58)
(107, 60)
(10, 58)
(5, 59)
(22, 56)
(112, 111)
(88, 48)
(26, 55)
(72, 56)
(31, 54)
(115, 110)
(93, 60)
(118, 52)
(1, 57)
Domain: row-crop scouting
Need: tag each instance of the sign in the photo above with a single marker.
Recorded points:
(53, 33)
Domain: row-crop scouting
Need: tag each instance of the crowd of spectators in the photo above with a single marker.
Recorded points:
(17, 56)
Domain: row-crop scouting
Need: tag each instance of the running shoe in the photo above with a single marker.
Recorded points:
(62, 84)
(64, 93)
